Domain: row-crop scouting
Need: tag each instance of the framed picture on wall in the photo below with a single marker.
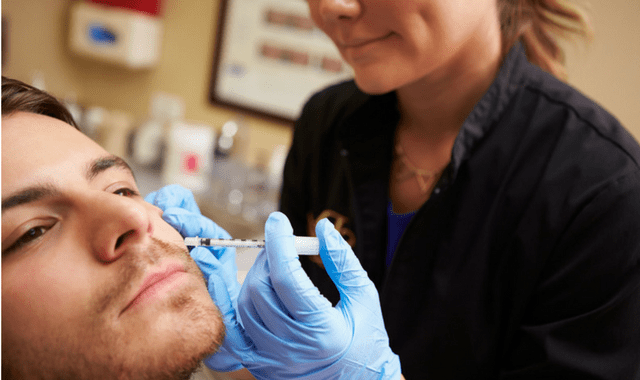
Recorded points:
(270, 58)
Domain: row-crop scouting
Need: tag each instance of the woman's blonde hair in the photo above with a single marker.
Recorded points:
(539, 24)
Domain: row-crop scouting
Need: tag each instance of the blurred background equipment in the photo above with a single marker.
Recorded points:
(116, 32)
(189, 157)
(148, 142)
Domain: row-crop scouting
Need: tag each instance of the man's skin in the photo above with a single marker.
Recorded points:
(94, 283)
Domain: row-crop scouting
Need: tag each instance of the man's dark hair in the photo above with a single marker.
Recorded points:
(18, 96)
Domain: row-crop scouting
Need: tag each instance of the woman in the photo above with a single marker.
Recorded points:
(494, 207)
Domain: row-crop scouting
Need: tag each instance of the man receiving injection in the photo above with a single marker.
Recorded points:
(96, 285)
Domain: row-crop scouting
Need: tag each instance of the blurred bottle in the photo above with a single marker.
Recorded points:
(110, 129)
(229, 174)
(255, 189)
(148, 145)
(276, 166)
(117, 128)
(93, 122)
(70, 101)
(227, 141)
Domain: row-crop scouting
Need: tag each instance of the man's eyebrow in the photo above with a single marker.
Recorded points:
(101, 164)
(28, 195)
(39, 192)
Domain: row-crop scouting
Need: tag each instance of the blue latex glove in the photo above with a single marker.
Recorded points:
(293, 332)
(218, 264)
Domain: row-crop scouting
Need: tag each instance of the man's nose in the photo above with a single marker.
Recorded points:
(334, 10)
(114, 224)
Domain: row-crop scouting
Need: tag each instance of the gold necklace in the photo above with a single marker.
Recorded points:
(422, 176)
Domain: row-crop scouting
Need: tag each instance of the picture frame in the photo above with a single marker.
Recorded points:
(270, 58)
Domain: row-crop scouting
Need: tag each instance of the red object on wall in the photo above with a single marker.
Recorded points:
(150, 7)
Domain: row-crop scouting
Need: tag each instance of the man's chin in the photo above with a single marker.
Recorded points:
(180, 339)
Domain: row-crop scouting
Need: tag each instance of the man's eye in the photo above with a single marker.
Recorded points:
(126, 192)
(29, 237)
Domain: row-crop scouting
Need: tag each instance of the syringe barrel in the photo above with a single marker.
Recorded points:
(307, 245)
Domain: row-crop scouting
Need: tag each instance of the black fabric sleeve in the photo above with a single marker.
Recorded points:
(583, 321)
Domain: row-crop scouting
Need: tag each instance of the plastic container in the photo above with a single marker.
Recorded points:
(189, 157)
(115, 35)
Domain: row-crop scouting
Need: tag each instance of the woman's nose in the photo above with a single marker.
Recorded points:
(334, 10)
(115, 224)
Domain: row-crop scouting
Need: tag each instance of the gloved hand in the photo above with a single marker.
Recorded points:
(181, 211)
(292, 331)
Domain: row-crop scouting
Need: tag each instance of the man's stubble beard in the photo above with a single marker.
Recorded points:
(99, 353)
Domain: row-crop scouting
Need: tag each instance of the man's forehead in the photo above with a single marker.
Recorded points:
(31, 122)
(37, 146)
(24, 129)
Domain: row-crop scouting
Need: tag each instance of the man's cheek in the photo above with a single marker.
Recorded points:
(164, 231)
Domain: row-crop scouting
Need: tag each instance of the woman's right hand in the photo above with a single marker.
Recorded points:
(293, 332)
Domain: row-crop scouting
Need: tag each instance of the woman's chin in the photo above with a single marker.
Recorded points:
(372, 87)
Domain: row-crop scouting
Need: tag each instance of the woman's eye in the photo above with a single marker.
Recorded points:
(126, 192)
(28, 237)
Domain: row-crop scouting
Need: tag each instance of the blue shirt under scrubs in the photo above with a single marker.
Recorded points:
(395, 228)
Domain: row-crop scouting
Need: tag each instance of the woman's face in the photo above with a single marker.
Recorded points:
(390, 44)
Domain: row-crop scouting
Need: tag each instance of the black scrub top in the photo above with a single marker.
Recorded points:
(525, 261)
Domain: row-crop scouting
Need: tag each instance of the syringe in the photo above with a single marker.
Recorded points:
(305, 245)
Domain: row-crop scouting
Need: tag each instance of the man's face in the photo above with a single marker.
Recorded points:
(94, 283)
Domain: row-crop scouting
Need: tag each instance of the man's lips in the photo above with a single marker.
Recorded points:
(154, 283)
